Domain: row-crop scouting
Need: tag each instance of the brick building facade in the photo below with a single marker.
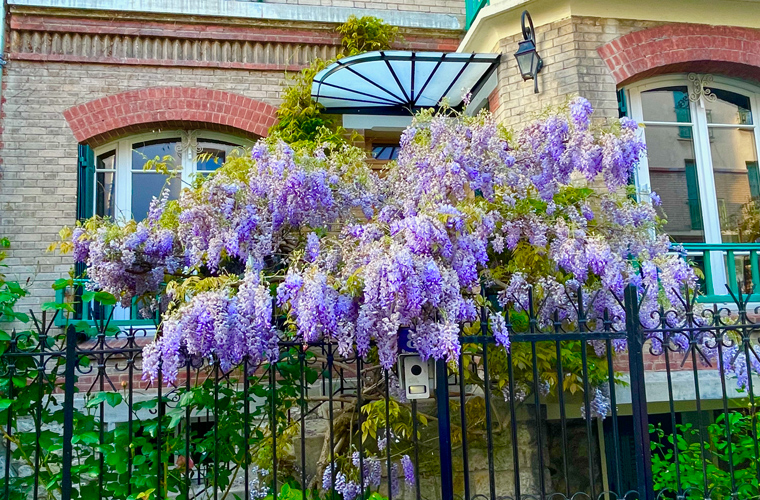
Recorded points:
(92, 72)
(92, 75)
(182, 76)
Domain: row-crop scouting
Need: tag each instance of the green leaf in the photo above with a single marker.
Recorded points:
(61, 284)
(176, 418)
(105, 298)
(186, 399)
(5, 404)
(90, 437)
(145, 405)
(111, 398)
(58, 306)
(24, 318)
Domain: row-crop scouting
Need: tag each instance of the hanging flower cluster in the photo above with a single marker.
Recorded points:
(353, 257)
(570, 228)
(213, 252)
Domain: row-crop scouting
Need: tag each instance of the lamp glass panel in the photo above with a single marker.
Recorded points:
(527, 59)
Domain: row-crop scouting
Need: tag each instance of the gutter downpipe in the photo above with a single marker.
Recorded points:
(3, 9)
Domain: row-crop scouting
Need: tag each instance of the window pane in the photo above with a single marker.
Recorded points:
(668, 104)
(385, 151)
(213, 154)
(737, 183)
(105, 184)
(673, 175)
(105, 187)
(105, 161)
(729, 108)
(146, 185)
(144, 151)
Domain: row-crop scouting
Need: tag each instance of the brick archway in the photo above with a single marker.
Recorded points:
(168, 107)
(675, 48)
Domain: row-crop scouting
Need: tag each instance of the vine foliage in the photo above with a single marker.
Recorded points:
(301, 120)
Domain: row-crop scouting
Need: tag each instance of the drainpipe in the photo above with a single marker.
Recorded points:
(2, 47)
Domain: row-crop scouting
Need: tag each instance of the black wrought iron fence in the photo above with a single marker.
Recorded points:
(607, 409)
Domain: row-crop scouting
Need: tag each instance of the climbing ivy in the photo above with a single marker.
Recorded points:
(301, 120)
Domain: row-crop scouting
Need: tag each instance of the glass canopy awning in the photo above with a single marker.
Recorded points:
(398, 82)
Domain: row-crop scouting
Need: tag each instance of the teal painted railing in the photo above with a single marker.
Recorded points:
(472, 7)
(741, 257)
(91, 314)
(744, 272)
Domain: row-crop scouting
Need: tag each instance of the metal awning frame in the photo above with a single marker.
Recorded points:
(410, 98)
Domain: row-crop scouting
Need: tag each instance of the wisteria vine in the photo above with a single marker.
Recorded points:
(348, 255)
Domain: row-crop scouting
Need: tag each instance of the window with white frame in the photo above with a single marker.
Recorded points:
(702, 156)
(119, 186)
(123, 189)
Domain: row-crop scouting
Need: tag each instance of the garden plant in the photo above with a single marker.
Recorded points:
(298, 240)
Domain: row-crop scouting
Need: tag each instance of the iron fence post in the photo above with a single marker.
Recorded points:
(68, 412)
(642, 449)
(444, 429)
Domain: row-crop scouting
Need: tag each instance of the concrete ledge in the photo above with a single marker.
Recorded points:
(254, 10)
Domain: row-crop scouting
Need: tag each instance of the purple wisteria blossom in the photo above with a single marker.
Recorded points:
(411, 249)
(408, 467)
(312, 247)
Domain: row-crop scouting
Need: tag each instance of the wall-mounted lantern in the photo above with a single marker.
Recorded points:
(528, 60)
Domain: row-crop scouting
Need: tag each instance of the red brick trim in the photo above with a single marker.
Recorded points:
(432, 41)
(174, 30)
(493, 100)
(684, 47)
(112, 116)
(166, 63)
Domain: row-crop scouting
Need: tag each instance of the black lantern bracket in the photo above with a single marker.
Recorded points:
(528, 60)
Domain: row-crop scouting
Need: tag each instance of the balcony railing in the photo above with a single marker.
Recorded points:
(93, 312)
(472, 7)
(727, 264)
(714, 260)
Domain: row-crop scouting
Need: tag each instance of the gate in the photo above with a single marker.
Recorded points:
(607, 411)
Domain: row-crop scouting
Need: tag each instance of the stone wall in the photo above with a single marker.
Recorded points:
(572, 66)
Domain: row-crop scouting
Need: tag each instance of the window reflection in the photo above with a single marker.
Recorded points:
(737, 183)
(105, 184)
(148, 184)
(667, 104)
(728, 108)
(673, 175)
(213, 154)
(385, 151)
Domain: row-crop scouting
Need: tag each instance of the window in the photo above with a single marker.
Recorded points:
(112, 181)
(123, 189)
(702, 156)
(385, 151)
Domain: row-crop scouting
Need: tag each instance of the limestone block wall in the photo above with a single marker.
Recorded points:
(572, 66)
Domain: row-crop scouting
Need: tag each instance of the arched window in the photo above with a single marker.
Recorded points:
(113, 182)
(702, 158)
(123, 189)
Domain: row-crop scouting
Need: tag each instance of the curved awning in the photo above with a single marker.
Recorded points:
(398, 82)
